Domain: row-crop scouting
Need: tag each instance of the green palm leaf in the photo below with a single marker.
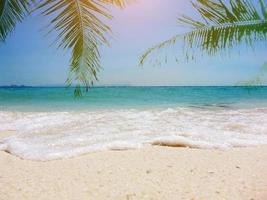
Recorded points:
(12, 12)
(224, 26)
(79, 28)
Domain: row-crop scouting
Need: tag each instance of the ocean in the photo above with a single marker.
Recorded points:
(49, 123)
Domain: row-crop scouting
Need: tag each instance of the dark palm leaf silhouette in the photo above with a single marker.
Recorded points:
(12, 12)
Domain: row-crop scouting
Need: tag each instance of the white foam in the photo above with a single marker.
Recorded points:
(56, 135)
(3, 147)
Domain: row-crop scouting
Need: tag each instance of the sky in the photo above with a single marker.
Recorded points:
(28, 57)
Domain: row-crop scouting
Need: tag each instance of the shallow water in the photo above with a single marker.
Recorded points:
(50, 124)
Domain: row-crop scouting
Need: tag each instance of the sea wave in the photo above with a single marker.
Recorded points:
(56, 135)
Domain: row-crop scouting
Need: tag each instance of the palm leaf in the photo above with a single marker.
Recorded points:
(225, 25)
(12, 12)
(79, 28)
(258, 80)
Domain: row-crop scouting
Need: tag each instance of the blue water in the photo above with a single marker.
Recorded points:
(61, 99)
(49, 123)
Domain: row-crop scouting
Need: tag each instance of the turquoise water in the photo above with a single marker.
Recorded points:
(49, 123)
(61, 99)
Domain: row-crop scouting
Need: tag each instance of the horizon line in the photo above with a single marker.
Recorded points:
(98, 86)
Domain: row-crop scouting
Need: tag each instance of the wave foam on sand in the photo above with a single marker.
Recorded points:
(56, 135)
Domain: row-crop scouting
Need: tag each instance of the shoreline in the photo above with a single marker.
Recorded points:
(148, 173)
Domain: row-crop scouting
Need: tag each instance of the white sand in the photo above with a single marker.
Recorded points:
(151, 173)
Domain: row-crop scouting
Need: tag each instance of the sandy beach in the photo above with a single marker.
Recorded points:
(133, 100)
(150, 173)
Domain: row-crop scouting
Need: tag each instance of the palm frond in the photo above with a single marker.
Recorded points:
(120, 3)
(225, 25)
(258, 80)
(12, 12)
(79, 28)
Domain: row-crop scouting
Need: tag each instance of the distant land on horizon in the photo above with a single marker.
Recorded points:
(15, 86)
